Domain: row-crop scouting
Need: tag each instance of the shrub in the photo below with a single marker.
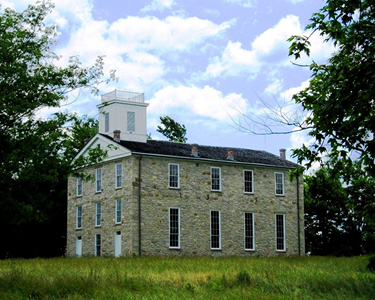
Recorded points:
(371, 264)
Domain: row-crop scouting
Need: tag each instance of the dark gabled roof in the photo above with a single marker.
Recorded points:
(156, 147)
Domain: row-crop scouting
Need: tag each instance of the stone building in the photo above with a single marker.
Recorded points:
(152, 197)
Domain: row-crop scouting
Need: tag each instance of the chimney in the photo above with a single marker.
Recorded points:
(194, 151)
(282, 153)
(116, 135)
(230, 155)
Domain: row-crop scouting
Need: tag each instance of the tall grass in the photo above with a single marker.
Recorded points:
(187, 278)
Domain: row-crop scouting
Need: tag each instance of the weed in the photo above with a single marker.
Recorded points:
(243, 278)
(184, 278)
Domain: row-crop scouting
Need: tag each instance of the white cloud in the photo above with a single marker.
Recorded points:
(234, 61)
(172, 33)
(295, 1)
(204, 102)
(288, 94)
(275, 38)
(159, 5)
(244, 3)
(268, 49)
(275, 87)
(133, 45)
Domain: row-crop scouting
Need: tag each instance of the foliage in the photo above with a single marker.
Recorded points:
(327, 230)
(371, 264)
(36, 154)
(340, 96)
(361, 192)
(187, 278)
(172, 130)
(336, 213)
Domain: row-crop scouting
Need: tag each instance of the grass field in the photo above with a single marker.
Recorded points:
(187, 278)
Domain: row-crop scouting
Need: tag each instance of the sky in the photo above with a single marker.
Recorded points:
(205, 63)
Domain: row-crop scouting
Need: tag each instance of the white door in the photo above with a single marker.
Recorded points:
(117, 243)
(79, 246)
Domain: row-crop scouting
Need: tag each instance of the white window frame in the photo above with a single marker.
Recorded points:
(212, 179)
(246, 232)
(118, 233)
(106, 122)
(118, 175)
(79, 186)
(98, 214)
(279, 237)
(98, 245)
(118, 211)
(245, 181)
(79, 238)
(79, 213)
(98, 180)
(278, 183)
(170, 176)
(178, 228)
(219, 230)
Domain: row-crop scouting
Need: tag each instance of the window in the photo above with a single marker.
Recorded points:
(106, 122)
(215, 179)
(280, 232)
(79, 217)
(279, 184)
(174, 228)
(98, 244)
(248, 179)
(174, 175)
(79, 186)
(215, 230)
(118, 211)
(249, 231)
(118, 175)
(98, 180)
(131, 121)
(98, 214)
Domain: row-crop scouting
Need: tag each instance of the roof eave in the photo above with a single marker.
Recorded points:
(212, 160)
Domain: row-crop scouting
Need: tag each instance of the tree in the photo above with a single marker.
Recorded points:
(339, 103)
(340, 96)
(336, 213)
(361, 193)
(328, 223)
(36, 154)
(172, 130)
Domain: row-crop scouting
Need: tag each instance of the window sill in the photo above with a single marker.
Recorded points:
(118, 187)
(98, 226)
(118, 223)
(277, 195)
(79, 196)
(281, 251)
(249, 193)
(80, 228)
(174, 248)
(249, 250)
(216, 191)
(215, 249)
(98, 192)
(174, 188)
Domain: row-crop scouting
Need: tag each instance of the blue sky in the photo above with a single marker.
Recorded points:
(200, 62)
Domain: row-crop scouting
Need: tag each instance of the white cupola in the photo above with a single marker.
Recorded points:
(125, 112)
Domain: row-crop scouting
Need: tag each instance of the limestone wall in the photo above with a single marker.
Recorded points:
(195, 199)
